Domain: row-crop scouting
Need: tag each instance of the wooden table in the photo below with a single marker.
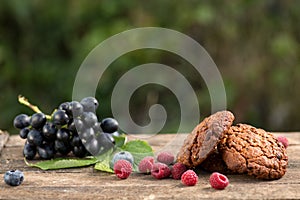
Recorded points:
(87, 183)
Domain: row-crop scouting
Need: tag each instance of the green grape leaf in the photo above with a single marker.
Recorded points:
(103, 162)
(103, 166)
(119, 140)
(61, 163)
(137, 146)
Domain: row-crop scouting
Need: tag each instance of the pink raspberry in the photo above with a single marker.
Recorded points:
(189, 178)
(177, 170)
(160, 170)
(166, 158)
(218, 181)
(283, 140)
(146, 164)
(122, 169)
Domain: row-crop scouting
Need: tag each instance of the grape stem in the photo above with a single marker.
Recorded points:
(24, 101)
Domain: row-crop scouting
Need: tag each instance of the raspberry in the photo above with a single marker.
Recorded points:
(122, 169)
(218, 181)
(189, 178)
(283, 140)
(160, 170)
(146, 164)
(166, 158)
(177, 170)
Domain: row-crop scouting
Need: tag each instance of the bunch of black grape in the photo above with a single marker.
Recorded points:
(73, 127)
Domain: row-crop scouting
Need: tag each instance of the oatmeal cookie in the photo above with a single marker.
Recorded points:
(204, 138)
(246, 149)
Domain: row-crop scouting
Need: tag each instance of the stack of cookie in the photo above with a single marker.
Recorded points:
(218, 145)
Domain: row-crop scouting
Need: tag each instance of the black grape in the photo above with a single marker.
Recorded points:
(24, 132)
(35, 137)
(109, 125)
(38, 120)
(63, 135)
(90, 104)
(21, 121)
(60, 117)
(49, 131)
(29, 151)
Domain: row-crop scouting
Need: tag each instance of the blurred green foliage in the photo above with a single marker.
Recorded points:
(255, 45)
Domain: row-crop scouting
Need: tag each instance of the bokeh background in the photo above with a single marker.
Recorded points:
(254, 43)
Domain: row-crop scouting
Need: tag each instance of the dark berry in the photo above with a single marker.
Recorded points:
(76, 109)
(105, 143)
(63, 134)
(86, 135)
(90, 104)
(79, 151)
(97, 127)
(21, 121)
(93, 147)
(109, 125)
(24, 132)
(38, 120)
(60, 117)
(76, 141)
(72, 127)
(29, 151)
(46, 151)
(189, 178)
(61, 147)
(79, 125)
(13, 177)
(122, 169)
(35, 137)
(49, 131)
(89, 119)
(64, 106)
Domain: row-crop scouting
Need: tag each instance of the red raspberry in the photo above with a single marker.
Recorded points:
(160, 170)
(283, 140)
(122, 169)
(146, 164)
(218, 181)
(189, 178)
(166, 158)
(177, 170)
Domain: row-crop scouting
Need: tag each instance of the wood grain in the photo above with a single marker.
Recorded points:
(3, 139)
(87, 183)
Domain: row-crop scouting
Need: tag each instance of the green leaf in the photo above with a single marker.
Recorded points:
(139, 149)
(61, 163)
(103, 166)
(119, 140)
(137, 146)
(104, 159)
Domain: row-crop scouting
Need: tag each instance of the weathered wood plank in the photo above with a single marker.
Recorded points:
(87, 183)
(3, 139)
